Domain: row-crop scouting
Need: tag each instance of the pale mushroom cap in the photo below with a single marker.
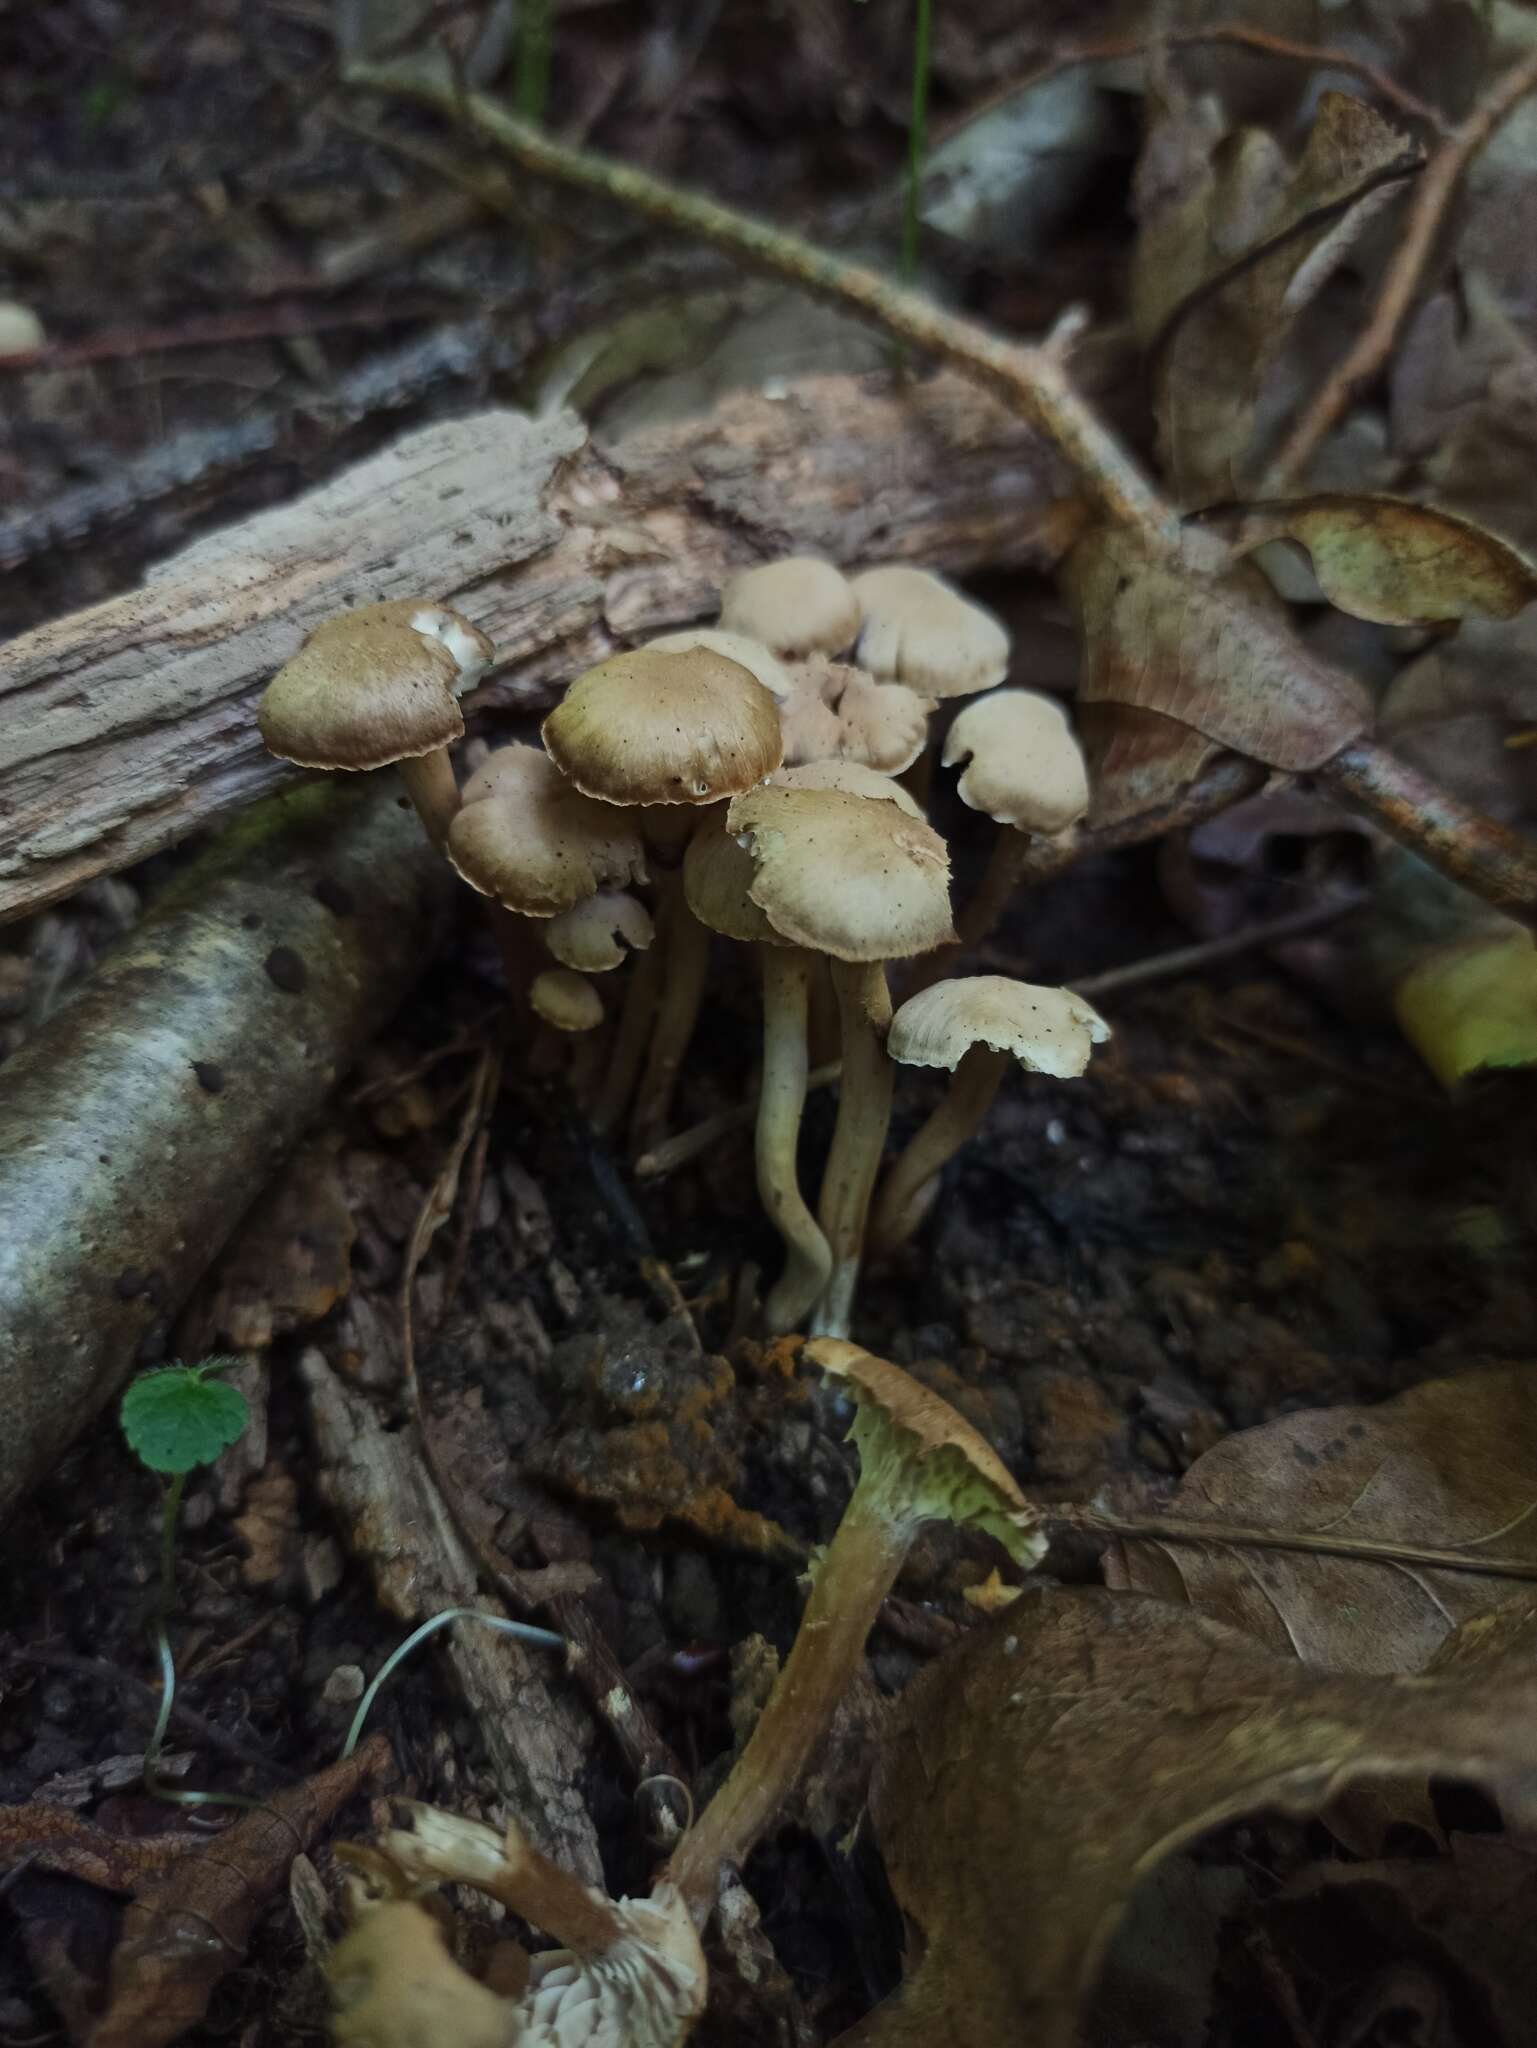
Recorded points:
(883, 725)
(919, 631)
(524, 836)
(1024, 767)
(362, 692)
(566, 1000)
(717, 881)
(848, 875)
(798, 606)
(648, 728)
(1048, 1030)
(752, 655)
(853, 777)
(600, 934)
(920, 1451)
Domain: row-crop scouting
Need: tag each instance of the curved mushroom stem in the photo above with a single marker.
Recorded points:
(857, 1571)
(430, 784)
(787, 978)
(864, 1111)
(904, 1197)
(684, 944)
(631, 1039)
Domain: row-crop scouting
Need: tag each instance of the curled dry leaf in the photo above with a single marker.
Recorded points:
(1452, 1464)
(1002, 1804)
(1390, 560)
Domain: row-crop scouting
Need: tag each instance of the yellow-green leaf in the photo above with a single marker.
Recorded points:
(1472, 1006)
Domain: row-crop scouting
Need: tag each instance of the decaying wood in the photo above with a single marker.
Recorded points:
(126, 726)
(394, 1517)
(141, 1121)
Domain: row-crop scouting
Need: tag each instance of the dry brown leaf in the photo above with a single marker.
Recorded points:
(1455, 712)
(268, 1526)
(1451, 1464)
(43, 1832)
(1060, 1753)
(1202, 645)
(1246, 244)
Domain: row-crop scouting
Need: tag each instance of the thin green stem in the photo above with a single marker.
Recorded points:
(521, 1629)
(917, 140)
(531, 84)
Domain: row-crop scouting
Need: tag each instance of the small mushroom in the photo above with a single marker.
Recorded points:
(917, 630)
(973, 1027)
(377, 687)
(1023, 768)
(919, 1461)
(837, 712)
(796, 606)
(527, 838)
(565, 1000)
(861, 880)
(569, 1009)
(600, 934)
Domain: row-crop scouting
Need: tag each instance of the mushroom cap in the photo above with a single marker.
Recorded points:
(800, 605)
(717, 881)
(925, 1460)
(757, 659)
(1024, 767)
(394, 1981)
(566, 1000)
(599, 934)
(853, 777)
(1048, 1030)
(649, 728)
(853, 876)
(919, 631)
(837, 712)
(523, 835)
(372, 686)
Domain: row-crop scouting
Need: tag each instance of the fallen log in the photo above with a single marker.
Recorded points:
(126, 726)
(144, 1117)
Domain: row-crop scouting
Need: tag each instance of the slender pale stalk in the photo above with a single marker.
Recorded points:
(855, 1575)
(684, 945)
(631, 1039)
(787, 977)
(905, 1195)
(859, 1135)
(430, 784)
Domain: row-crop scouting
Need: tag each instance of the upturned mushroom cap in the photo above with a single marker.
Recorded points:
(757, 659)
(1024, 767)
(798, 606)
(372, 686)
(649, 728)
(526, 837)
(600, 934)
(1048, 1030)
(853, 777)
(717, 881)
(919, 631)
(566, 1000)
(925, 1460)
(837, 712)
(852, 876)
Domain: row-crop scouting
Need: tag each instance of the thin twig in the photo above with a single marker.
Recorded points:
(272, 322)
(1368, 1549)
(1181, 960)
(686, 1145)
(1372, 347)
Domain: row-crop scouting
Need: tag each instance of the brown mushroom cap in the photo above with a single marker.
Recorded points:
(1024, 767)
(852, 876)
(526, 837)
(919, 631)
(1048, 1030)
(924, 1456)
(648, 728)
(599, 934)
(372, 686)
(837, 712)
(798, 606)
(853, 777)
(566, 1000)
(757, 659)
(717, 881)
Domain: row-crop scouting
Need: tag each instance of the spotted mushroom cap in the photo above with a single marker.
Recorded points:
(524, 836)
(757, 659)
(796, 606)
(599, 934)
(1023, 766)
(567, 1000)
(372, 686)
(649, 728)
(917, 630)
(853, 777)
(853, 876)
(1048, 1030)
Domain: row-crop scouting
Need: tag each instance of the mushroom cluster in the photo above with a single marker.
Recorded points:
(740, 779)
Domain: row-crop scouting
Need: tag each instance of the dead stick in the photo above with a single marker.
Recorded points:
(1369, 1549)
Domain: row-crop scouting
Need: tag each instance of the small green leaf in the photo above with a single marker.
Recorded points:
(179, 1416)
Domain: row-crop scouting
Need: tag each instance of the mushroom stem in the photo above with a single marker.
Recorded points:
(787, 977)
(982, 912)
(631, 1039)
(904, 1198)
(430, 784)
(684, 944)
(864, 1110)
(856, 1573)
